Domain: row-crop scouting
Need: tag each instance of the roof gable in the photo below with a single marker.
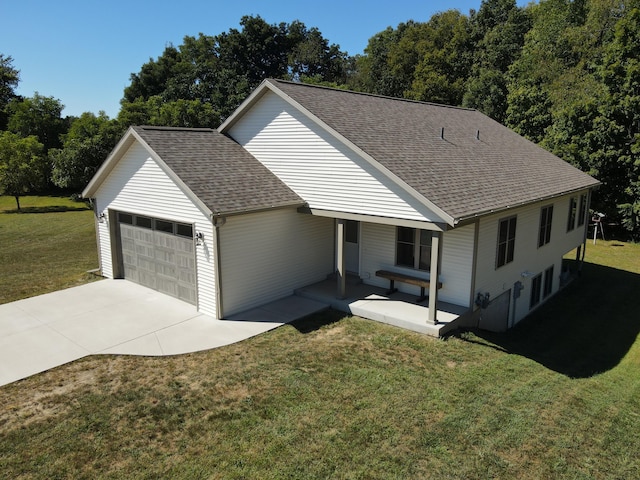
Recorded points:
(457, 160)
(221, 176)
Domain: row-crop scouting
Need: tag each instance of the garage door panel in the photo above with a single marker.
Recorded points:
(159, 260)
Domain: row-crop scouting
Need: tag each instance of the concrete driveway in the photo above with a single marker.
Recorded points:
(121, 317)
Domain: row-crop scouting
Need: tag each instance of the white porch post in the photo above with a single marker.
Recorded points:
(436, 249)
(342, 273)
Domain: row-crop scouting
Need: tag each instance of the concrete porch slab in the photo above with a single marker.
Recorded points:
(399, 309)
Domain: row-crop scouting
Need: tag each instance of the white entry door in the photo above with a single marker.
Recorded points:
(352, 247)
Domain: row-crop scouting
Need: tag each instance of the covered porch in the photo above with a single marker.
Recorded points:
(398, 309)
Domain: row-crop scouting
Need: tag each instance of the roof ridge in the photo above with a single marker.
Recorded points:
(163, 128)
(373, 95)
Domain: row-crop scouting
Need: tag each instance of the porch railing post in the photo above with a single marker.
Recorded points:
(341, 270)
(436, 249)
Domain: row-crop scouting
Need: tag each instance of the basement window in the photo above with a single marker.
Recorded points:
(536, 288)
(548, 282)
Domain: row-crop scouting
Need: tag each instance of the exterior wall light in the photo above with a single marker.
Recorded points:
(199, 238)
(482, 301)
(102, 217)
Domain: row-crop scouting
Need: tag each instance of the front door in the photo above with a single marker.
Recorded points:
(352, 247)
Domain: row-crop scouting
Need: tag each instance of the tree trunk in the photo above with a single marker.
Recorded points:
(17, 201)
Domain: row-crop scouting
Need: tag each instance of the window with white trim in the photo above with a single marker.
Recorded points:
(582, 212)
(506, 241)
(413, 248)
(536, 288)
(546, 219)
(548, 282)
(571, 220)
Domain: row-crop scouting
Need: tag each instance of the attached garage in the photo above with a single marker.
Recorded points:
(159, 254)
(161, 199)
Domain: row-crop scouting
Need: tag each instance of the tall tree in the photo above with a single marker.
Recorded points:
(222, 70)
(87, 143)
(445, 56)
(498, 31)
(39, 116)
(375, 71)
(22, 165)
(9, 79)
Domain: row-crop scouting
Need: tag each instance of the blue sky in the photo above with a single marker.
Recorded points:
(83, 52)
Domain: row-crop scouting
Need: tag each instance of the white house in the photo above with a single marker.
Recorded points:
(304, 182)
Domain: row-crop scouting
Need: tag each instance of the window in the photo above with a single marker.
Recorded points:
(536, 286)
(506, 241)
(571, 221)
(546, 218)
(125, 218)
(164, 226)
(143, 222)
(413, 248)
(548, 282)
(582, 213)
(351, 231)
(184, 230)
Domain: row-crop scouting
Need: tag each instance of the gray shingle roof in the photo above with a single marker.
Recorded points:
(480, 166)
(222, 174)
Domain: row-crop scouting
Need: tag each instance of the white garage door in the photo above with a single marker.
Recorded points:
(159, 254)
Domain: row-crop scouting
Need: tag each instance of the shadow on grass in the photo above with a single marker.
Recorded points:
(584, 330)
(317, 321)
(48, 209)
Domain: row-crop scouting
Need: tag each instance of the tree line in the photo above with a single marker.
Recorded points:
(563, 73)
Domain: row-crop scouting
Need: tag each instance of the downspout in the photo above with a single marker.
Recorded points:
(586, 230)
(474, 264)
(218, 222)
(97, 230)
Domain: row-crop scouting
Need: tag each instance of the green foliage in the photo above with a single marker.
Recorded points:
(39, 116)
(22, 165)
(220, 71)
(9, 79)
(85, 147)
(175, 113)
(443, 46)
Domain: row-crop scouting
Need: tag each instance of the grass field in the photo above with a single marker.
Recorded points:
(47, 246)
(341, 397)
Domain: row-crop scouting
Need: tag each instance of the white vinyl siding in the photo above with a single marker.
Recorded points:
(378, 244)
(267, 255)
(138, 185)
(321, 170)
(528, 259)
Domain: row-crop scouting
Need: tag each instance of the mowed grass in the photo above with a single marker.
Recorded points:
(48, 245)
(342, 397)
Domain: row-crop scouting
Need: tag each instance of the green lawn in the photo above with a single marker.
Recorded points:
(47, 246)
(342, 397)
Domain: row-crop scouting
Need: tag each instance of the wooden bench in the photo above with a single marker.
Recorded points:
(404, 278)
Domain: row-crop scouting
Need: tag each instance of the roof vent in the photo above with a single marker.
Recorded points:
(442, 133)
(477, 134)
